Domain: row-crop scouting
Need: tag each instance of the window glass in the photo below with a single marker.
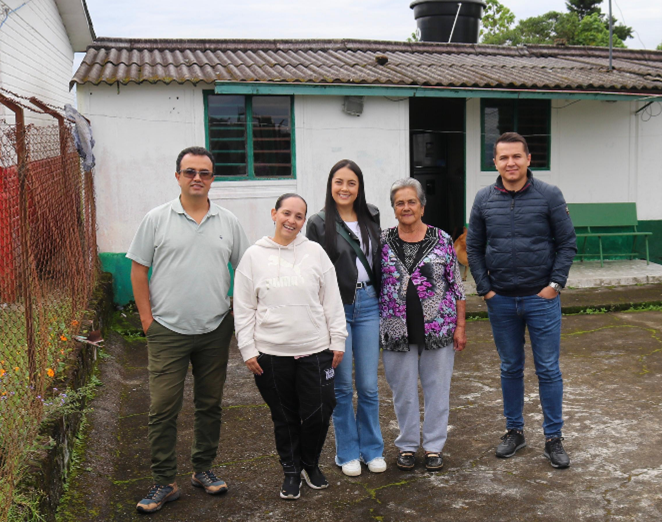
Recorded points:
(272, 136)
(250, 136)
(530, 118)
(227, 134)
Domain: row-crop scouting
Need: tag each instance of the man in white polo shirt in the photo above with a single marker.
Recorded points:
(185, 313)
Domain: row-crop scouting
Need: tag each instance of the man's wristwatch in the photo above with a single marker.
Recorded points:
(556, 287)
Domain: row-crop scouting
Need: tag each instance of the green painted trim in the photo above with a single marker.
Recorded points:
(654, 242)
(293, 139)
(410, 92)
(120, 267)
(250, 168)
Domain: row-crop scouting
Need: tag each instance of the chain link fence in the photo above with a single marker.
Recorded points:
(48, 266)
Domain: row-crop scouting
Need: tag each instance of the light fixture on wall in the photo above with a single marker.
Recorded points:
(353, 105)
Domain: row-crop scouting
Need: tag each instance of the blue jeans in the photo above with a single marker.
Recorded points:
(359, 436)
(509, 316)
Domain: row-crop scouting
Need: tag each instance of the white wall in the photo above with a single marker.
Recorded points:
(35, 56)
(649, 166)
(139, 130)
(378, 141)
(600, 152)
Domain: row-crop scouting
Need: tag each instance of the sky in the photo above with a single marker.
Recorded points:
(282, 19)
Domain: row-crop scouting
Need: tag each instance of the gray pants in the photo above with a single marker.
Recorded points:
(435, 368)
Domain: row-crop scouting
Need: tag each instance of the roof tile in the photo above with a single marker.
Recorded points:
(354, 61)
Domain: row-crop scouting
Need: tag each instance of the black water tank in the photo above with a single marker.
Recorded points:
(435, 19)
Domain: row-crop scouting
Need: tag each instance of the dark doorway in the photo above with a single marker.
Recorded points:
(437, 152)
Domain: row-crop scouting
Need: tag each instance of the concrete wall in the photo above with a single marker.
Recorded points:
(35, 56)
(601, 152)
(140, 129)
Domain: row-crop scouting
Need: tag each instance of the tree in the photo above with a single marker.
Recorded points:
(592, 31)
(583, 24)
(659, 47)
(497, 20)
(584, 8)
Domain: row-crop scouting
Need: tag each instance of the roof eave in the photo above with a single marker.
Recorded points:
(77, 22)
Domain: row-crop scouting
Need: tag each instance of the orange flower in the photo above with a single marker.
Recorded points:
(62, 352)
(2, 372)
(16, 368)
(50, 372)
(63, 338)
(74, 323)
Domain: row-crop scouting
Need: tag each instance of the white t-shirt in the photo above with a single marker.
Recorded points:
(363, 275)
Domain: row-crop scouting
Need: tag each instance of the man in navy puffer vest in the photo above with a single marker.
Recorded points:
(521, 244)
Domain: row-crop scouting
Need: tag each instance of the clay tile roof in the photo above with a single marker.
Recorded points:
(117, 60)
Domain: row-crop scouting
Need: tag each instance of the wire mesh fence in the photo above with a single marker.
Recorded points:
(48, 266)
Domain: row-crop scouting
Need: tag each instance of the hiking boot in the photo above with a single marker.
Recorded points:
(212, 484)
(157, 496)
(314, 478)
(406, 460)
(554, 451)
(433, 461)
(513, 440)
(291, 488)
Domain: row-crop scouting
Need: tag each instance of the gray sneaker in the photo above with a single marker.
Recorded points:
(157, 496)
(512, 441)
(210, 482)
(554, 451)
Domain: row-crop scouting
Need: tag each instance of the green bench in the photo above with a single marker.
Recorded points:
(606, 220)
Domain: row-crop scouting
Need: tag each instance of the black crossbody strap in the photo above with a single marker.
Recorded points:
(355, 246)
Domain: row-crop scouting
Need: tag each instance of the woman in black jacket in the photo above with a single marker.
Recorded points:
(348, 229)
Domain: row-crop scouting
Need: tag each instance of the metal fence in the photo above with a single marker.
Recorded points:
(48, 266)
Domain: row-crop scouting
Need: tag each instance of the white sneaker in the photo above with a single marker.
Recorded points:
(377, 465)
(352, 468)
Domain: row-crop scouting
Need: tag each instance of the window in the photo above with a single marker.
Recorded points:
(251, 137)
(531, 118)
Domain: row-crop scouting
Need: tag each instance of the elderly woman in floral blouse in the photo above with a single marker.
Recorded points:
(422, 323)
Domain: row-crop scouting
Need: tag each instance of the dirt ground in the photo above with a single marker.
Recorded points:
(611, 364)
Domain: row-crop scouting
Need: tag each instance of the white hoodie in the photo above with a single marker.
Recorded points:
(287, 301)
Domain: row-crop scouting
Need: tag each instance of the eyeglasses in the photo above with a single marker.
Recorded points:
(205, 175)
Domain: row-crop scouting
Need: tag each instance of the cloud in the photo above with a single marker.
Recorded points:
(283, 19)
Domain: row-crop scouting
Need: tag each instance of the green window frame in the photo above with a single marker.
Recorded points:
(532, 118)
(250, 136)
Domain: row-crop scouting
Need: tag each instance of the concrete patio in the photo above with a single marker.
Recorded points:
(613, 411)
(589, 274)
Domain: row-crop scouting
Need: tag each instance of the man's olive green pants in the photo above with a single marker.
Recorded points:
(170, 354)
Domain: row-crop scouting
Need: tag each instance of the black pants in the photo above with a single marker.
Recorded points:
(301, 397)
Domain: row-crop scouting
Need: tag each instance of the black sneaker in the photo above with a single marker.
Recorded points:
(212, 484)
(512, 441)
(554, 451)
(406, 460)
(291, 489)
(157, 496)
(314, 478)
(434, 461)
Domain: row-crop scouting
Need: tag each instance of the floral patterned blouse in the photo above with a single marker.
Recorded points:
(438, 284)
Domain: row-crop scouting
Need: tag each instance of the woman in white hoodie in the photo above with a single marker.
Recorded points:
(290, 326)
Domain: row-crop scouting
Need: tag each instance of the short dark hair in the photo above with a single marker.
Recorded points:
(288, 195)
(511, 137)
(195, 151)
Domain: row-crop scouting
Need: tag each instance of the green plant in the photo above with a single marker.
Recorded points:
(25, 508)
